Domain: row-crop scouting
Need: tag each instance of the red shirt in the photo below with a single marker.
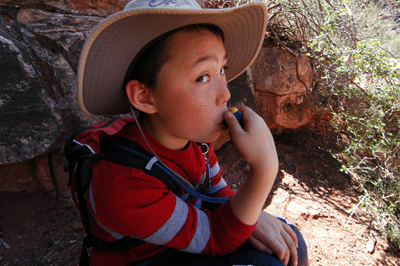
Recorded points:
(127, 202)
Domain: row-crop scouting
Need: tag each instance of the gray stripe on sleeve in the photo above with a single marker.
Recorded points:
(172, 226)
(202, 235)
(214, 170)
(214, 189)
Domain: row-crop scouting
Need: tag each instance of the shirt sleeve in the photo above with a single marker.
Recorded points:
(133, 204)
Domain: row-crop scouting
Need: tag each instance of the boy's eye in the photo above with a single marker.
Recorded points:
(203, 78)
(223, 71)
(206, 78)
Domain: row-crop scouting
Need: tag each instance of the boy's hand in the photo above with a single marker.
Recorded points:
(254, 142)
(274, 236)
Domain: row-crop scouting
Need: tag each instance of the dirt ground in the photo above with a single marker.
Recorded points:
(309, 191)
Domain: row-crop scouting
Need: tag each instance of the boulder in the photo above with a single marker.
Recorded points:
(56, 38)
(78, 7)
(282, 82)
(30, 121)
(38, 106)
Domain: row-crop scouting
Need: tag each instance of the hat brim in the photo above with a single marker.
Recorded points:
(114, 43)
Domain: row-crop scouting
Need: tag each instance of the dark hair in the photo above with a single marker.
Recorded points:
(148, 62)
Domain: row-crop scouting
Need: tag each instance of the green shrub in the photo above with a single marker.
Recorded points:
(354, 46)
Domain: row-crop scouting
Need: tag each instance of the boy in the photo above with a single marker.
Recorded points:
(171, 62)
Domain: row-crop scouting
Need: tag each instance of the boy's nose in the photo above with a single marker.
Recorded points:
(223, 93)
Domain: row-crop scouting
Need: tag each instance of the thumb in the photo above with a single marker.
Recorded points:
(232, 122)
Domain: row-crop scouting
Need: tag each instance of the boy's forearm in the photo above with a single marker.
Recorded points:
(255, 144)
(249, 200)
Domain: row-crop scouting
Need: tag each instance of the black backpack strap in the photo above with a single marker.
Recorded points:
(72, 152)
(84, 260)
(140, 159)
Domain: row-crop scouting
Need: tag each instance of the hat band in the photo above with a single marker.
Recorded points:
(175, 4)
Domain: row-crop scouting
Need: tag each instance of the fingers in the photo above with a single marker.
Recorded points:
(259, 245)
(288, 250)
(254, 142)
(251, 120)
(246, 111)
(282, 251)
(236, 132)
(293, 250)
(281, 240)
(278, 242)
(232, 122)
(292, 234)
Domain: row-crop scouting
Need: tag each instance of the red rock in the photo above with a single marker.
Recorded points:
(281, 84)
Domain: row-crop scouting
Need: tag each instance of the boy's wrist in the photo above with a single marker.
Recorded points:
(265, 168)
(268, 163)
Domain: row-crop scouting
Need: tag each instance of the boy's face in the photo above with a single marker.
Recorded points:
(191, 92)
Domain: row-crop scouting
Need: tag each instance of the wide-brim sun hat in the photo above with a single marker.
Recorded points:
(114, 43)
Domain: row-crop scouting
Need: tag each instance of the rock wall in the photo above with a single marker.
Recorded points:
(100, 8)
(39, 59)
(40, 43)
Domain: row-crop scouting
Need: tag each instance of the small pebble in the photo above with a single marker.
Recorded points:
(77, 225)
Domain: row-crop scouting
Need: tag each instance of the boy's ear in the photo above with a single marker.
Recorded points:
(140, 97)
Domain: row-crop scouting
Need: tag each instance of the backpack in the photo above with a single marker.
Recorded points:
(98, 142)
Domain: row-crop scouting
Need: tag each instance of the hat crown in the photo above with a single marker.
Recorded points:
(175, 4)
